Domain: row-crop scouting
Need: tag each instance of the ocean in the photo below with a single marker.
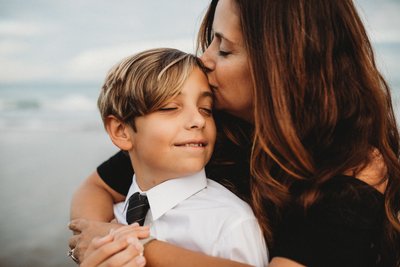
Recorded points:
(51, 138)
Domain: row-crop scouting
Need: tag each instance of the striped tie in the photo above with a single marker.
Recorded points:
(137, 208)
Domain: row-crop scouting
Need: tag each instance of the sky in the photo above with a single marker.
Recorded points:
(47, 41)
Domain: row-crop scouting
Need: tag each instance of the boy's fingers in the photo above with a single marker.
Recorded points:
(143, 233)
(131, 227)
(110, 254)
(138, 261)
(123, 257)
(139, 232)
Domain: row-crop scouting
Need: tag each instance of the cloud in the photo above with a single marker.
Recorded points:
(92, 65)
(12, 70)
(20, 28)
(12, 47)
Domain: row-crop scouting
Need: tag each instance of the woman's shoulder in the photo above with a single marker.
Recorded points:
(346, 201)
(343, 189)
(345, 221)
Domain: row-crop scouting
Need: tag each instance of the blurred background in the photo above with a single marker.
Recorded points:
(53, 58)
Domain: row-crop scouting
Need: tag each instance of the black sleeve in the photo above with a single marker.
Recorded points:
(117, 172)
(340, 230)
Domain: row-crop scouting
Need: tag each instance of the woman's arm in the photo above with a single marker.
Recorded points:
(91, 212)
(94, 200)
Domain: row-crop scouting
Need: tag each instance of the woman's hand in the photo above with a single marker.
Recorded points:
(119, 248)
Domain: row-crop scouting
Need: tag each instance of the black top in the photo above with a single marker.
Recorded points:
(343, 228)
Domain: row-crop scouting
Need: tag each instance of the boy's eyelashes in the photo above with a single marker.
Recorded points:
(208, 111)
(168, 108)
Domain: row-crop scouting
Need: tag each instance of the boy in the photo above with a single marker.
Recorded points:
(157, 106)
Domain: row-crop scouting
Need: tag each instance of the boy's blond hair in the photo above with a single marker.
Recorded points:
(142, 83)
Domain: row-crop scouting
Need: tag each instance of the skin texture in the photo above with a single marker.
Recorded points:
(175, 141)
(120, 247)
(230, 77)
(227, 61)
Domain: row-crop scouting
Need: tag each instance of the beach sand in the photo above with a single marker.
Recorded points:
(39, 170)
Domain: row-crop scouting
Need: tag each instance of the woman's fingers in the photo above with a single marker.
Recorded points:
(73, 240)
(77, 225)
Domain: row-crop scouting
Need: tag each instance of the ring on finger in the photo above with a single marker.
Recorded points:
(71, 255)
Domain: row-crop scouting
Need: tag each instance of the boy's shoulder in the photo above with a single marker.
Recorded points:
(216, 196)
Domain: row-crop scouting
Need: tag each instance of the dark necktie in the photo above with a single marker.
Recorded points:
(137, 208)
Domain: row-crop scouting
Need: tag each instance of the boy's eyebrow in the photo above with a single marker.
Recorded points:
(207, 94)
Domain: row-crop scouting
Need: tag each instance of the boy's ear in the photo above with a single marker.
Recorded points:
(119, 132)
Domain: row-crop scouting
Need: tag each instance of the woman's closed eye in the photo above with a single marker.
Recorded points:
(224, 53)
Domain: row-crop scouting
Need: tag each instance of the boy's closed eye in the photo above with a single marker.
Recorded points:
(168, 109)
(207, 111)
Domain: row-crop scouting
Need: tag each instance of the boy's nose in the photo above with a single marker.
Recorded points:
(196, 120)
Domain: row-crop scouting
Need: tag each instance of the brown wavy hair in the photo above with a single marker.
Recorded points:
(321, 105)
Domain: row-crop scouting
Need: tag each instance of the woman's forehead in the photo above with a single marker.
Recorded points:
(227, 21)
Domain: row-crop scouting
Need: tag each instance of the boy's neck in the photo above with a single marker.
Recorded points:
(147, 178)
(146, 182)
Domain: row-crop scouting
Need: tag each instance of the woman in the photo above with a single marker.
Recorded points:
(325, 148)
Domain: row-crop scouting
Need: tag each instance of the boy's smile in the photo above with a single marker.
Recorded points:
(178, 139)
(192, 143)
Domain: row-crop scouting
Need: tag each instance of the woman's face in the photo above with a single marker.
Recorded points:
(227, 60)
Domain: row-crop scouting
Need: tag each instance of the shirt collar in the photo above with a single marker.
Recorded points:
(168, 194)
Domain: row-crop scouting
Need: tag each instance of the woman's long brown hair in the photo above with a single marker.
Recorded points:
(321, 105)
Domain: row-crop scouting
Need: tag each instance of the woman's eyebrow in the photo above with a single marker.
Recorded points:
(222, 36)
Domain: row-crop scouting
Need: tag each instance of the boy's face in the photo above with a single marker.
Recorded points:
(178, 139)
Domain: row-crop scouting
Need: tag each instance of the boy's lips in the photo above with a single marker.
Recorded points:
(192, 143)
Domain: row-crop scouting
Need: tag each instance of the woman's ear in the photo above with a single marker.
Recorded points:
(119, 132)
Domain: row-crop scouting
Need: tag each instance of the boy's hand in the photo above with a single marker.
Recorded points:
(119, 248)
(84, 232)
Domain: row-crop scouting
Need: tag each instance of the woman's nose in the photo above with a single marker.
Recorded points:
(208, 60)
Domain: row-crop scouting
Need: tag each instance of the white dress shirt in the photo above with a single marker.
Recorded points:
(201, 215)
